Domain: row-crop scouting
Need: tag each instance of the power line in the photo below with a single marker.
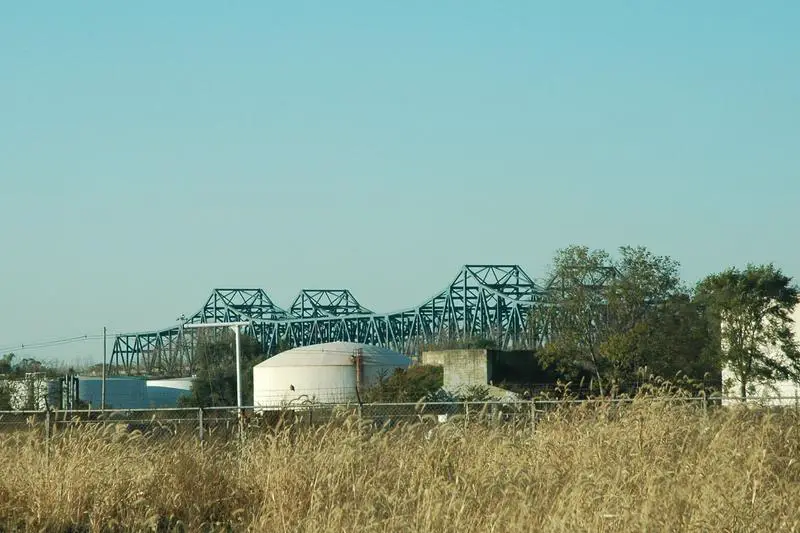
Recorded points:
(50, 343)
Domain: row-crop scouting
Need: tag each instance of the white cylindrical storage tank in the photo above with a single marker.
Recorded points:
(321, 373)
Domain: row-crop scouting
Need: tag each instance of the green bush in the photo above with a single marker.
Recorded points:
(406, 385)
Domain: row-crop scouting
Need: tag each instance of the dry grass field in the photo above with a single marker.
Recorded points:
(648, 467)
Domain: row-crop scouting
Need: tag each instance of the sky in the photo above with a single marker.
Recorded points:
(150, 151)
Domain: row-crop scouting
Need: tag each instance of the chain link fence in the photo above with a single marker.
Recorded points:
(228, 423)
(17, 420)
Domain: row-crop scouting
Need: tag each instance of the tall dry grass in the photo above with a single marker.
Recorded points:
(648, 467)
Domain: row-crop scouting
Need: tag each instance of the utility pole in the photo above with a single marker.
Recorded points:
(238, 368)
(235, 327)
(103, 387)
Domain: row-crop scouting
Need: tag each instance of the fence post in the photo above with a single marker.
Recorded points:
(533, 416)
(466, 415)
(47, 433)
(705, 405)
(200, 420)
(240, 423)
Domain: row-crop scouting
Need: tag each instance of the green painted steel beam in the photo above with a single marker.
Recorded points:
(483, 301)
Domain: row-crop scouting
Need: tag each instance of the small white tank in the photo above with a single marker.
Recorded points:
(167, 392)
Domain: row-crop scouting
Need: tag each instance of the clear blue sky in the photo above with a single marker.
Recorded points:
(150, 151)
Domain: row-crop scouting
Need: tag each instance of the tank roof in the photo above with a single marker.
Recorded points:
(335, 354)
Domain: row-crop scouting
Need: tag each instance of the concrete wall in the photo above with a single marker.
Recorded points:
(468, 367)
(462, 368)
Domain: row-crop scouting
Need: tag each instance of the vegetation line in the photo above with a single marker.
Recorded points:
(648, 466)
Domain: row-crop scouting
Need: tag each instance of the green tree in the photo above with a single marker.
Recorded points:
(17, 369)
(575, 313)
(215, 381)
(406, 385)
(282, 345)
(637, 299)
(753, 308)
(5, 394)
(674, 340)
(6, 363)
(597, 308)
(29, 365)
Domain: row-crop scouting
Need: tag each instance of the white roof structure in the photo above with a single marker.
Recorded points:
(335, 354)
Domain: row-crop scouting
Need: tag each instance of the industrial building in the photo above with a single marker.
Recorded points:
(133, 392)
(466, 368)
(36, 391)
(333, 372)
(32, 392)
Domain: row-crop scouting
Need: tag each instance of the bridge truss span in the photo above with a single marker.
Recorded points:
(492, 302)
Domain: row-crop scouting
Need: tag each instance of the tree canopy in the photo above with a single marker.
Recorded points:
(6, 363)
(612, 319)
(14, 367)
(406, 385)
(215, 381)
(753, 307)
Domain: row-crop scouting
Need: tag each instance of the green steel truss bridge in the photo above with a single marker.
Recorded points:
(483, 301)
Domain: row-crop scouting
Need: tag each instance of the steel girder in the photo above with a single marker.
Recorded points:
(483, 301)
(315, 303)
